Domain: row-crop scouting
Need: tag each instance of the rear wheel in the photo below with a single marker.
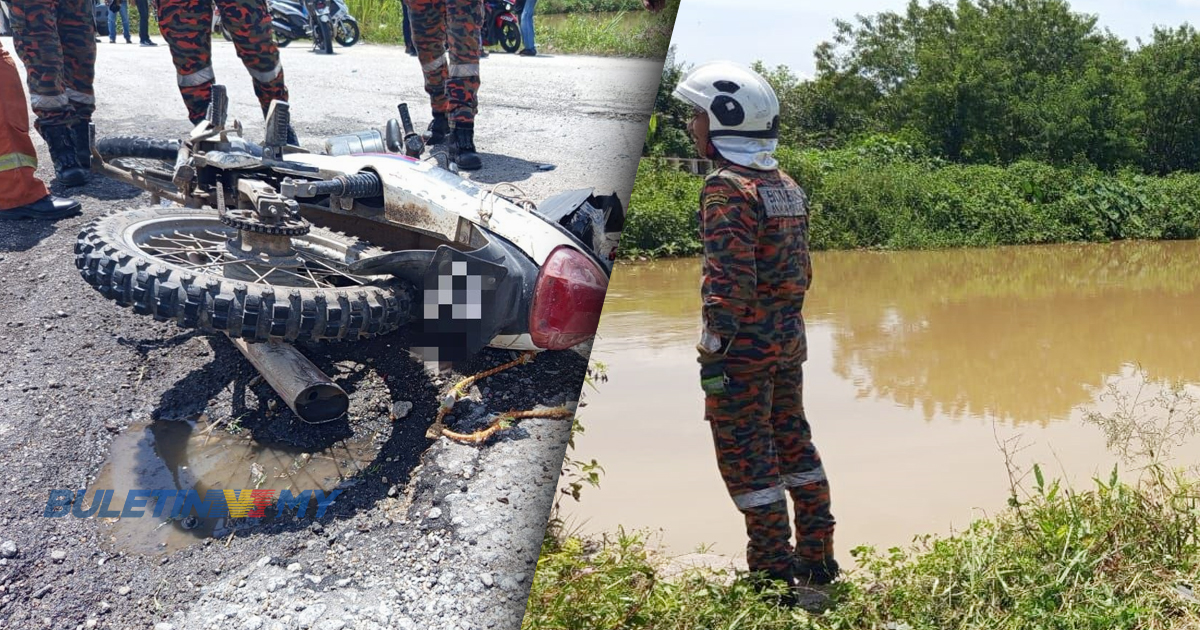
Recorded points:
(282, 40)
(510, 37)
(346, 32)
(190, 267)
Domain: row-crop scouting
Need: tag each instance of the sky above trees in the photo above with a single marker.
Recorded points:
(787, 32)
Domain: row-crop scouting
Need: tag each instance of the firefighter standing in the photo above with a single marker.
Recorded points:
(56, 40)
(22, 196)
(186, 25)
(446, 34)
(754, 224)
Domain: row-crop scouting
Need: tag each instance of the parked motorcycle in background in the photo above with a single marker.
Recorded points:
(218, 25)
(345, 27)
(297, 19)
(501, 26)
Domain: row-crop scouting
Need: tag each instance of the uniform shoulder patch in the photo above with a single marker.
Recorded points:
(783, 201)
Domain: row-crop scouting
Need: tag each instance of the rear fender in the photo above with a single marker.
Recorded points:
(469, 298)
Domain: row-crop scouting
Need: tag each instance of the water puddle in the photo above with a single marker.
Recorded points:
(188, 455)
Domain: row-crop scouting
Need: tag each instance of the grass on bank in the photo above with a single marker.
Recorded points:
(1117, 555)
(882, 195)
(592, 27)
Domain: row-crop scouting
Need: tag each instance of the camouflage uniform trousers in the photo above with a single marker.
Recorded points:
(187, 27)
(764, 448)
(449, 27)
(56, 40)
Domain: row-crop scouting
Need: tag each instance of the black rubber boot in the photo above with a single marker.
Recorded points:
(438, 128)
(81, 134)
(462, 148)
(292, 138)
(61, 140)
(815, 573)
(46, 208)
(777, 587)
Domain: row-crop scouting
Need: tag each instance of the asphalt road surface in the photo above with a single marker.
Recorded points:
(427, 534)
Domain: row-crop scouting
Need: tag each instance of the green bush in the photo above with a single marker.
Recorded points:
(662, 213)
(885, 194)
(587, 6)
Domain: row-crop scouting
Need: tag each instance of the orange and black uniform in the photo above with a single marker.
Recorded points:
(446, 34)
(187, 27)
(56, 40)
(18, 159)
(757, 270)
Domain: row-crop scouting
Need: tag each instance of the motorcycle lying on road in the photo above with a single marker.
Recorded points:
(298, 19)
(272, 245)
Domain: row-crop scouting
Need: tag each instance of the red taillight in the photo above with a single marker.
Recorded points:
(566, 300)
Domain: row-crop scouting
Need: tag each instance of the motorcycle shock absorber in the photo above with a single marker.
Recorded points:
(357, 186)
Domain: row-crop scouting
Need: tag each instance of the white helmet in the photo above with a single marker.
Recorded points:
(742, 108)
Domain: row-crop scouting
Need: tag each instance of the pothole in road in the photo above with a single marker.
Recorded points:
(174, 458)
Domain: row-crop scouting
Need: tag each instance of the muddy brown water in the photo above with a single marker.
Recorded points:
(181, 455)
(920, 365)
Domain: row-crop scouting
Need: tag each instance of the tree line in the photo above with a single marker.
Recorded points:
(986, 82)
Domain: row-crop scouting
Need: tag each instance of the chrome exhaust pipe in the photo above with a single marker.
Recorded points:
(303, 386)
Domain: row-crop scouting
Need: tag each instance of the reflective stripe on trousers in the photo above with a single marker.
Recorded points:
(759, 498)
(11, 161)
(268, 76)
(197, 78)
(804, 478)
(57, 101)
(75, 96)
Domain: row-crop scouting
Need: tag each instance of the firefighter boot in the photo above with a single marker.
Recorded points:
(61, 140)
(462, 148)
(775, 586)
(815, 572)
(82, 135)
(438, 128)
(46, 208)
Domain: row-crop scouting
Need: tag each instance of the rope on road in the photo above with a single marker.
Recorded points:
(503, 421)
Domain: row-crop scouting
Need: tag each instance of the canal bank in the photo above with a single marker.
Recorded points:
(922, 365)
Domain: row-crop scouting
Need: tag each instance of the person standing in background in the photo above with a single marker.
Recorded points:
(22, 195)
(144, 23)
(115, 7)
(530, 48)
(408, 40)
(56, 40)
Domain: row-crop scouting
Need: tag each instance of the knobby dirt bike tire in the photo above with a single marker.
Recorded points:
(109, 260)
